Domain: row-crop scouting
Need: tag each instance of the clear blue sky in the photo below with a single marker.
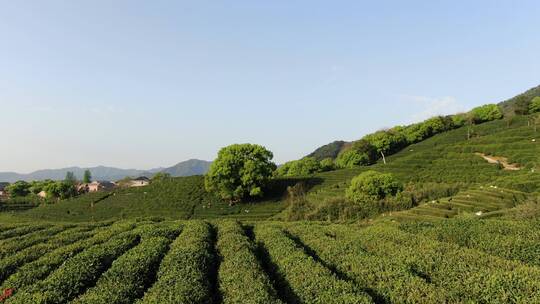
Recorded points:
(141, 84)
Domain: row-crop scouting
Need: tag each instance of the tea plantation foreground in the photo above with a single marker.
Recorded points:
(447, 261)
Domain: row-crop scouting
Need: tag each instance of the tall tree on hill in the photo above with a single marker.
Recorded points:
(509, 117)
(70, 178)
(87, 177)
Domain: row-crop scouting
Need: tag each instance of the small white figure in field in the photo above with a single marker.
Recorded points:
(479, 213)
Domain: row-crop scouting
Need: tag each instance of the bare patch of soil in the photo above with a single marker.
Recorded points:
(499, 160)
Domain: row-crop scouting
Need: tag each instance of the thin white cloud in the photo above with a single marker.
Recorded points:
(432, 106)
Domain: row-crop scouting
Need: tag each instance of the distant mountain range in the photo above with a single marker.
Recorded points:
(186, 168)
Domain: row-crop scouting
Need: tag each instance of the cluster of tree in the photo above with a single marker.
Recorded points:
(304, 167)
(240, 171)
(521, 104)
(380, 144)
(54, 189)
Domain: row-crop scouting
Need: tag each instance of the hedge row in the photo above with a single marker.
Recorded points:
(9, 264)
(37, 270)
(466, 275)
(310, 281)
(183, 275)
(7, 227)
(77, 273)
(241, 277)
(129, 275)
(20, 231)
(507, 239)
(20, 243)
(389, 281)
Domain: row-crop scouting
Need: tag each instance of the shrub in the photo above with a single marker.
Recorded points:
(31, 273)
(240, 268)
(128, 276)
(240, 171)
(372, 185)
(311, 281)
(184, 273)
(77, 273)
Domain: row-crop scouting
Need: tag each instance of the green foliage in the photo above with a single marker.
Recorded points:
(387, 141)
(70, 178)
(241, 277)
(38, 186)
(327, 164)
(459, 120)
(33, 247)
(183, 275)
(240, 171)
(351, 159)
(87, 177)
(535, 105)
(311, 281)
(303, 167)
(341, 251)
(443, 261)
(31, 273)
(160, 176)
(18, 189)
(361, 153)
(372, 185)
(485, 113)
(330, 150)
(61, 189)
(513, 240)
(128, 276)
(78, 273)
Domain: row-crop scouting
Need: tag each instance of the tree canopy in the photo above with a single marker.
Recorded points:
(487, 112)
(160, 176)
(534, 106)
(70, 178)
(18, 189)
(240, 171)
(87, 177)
(301, 167)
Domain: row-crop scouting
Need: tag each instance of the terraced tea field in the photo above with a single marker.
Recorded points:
(270, 262)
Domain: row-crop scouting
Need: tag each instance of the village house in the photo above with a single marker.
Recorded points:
(139, 182)
(96, 186)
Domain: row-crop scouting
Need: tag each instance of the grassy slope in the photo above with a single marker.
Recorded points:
(445, 159)
(449, 158)
(177, 198)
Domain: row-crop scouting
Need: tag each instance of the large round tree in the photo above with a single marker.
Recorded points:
(240, 171)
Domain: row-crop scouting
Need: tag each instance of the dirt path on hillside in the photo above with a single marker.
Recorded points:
(499, 160)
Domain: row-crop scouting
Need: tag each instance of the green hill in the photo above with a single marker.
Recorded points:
(438, 168)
